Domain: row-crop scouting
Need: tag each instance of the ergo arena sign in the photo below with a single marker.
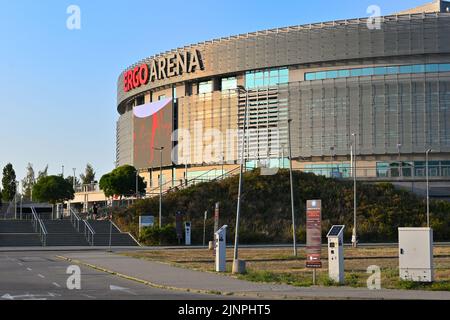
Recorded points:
(170, 66)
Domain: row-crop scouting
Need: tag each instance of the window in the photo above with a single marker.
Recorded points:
(140, 100)
(392, 70)
(355, 72)
(266, 78)
(444, 67)
(344, 73)
(310, 76)
(205, 87)
(321, 75)
(367, 72)
(380, 71)
(432, 68)
(406, 69)
(162, 97)
(382, 169)
(332, 74)
(229, 83)
(377, 71)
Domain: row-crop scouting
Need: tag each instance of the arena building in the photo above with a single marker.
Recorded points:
(374, 90)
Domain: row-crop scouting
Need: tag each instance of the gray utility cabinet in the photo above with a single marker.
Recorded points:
(416, 254)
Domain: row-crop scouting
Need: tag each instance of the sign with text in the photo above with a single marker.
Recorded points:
(146, 221)
(216, 217)
(179, 226)
(314, 234)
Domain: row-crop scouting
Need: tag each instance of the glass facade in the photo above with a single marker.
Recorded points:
(266, 78)
(413, 169)
(377, 71)
(205, 87)
(335, 170)
(229, 83)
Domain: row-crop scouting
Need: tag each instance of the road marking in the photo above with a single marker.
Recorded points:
(56, 285)
(117, 288)
(88, 296)
(41, 276)
(20, 264)
(29, 269)
(30, 296)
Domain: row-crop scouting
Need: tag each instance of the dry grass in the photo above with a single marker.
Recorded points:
(280, 266)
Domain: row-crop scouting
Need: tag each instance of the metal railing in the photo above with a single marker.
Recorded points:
(75, 219)
(89, 232)
(39, 227)
(205, 177)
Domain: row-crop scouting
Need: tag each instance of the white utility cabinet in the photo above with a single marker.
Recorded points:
(416, 254)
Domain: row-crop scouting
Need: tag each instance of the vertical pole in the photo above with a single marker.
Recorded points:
(110, 232)
(428, 187)
(241, 172)
(160, 187)
(204, 228)
(355, 236)
(74, 180)
(314, 277)
(137, 184)
(294, 236)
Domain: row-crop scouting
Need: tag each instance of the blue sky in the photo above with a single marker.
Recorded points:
(58, 87)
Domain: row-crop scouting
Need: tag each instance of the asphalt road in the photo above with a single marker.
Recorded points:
(40, 276)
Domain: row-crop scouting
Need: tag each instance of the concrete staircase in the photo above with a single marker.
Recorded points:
(61, 233)
(118, 238)
(18, 234)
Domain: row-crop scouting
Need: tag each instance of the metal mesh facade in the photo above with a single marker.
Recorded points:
(411, 110)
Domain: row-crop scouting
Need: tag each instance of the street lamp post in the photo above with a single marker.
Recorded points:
(355, 235)
(74, 179)
(294, 236)
(15, 199)
(137, 184)
(236, 262)
(427, 155)
(160, 184)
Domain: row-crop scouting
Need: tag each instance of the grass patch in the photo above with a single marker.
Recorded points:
(279, 266)
(271, 277)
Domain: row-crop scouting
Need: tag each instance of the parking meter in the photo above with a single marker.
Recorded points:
(187, 230)
(221, 249)
(336, 254)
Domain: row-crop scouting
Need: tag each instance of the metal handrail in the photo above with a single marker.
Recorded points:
(89, 233)
(75, 219)
(39, 227)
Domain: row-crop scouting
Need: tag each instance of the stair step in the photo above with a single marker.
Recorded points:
(117, 240)
(13, 226)
(20, 240)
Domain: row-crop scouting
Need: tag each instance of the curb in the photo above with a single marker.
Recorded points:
(155, 285)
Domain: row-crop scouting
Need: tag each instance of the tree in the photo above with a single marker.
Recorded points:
(53, 189)
(89, 175)
(9, 183)
(28, 183)
(69, 179)
(122, 182)
(43, 173)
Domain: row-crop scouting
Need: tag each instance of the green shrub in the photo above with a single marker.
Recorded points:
(266, 209)
(154, 236)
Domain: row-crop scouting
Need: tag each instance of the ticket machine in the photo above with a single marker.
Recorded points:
(187, 230)
(336, 254)
(221, 249)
